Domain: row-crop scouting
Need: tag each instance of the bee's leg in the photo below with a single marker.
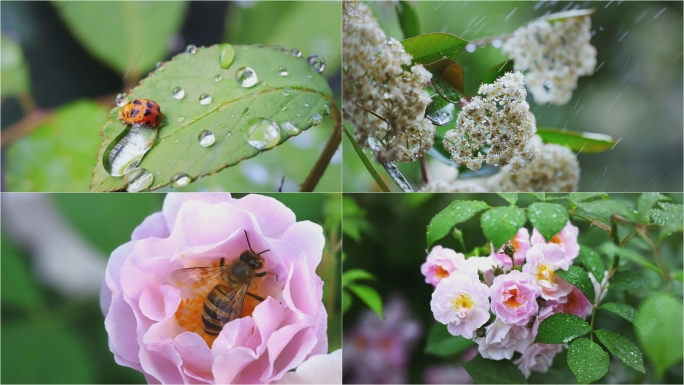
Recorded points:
(261, 299)
(263, 273)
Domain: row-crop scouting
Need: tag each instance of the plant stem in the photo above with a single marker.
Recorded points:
(424, 170)
(327, 154)
(489, 39)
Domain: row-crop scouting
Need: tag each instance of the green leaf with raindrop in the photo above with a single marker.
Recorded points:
(587, 360)
(602, 210)
(647, 200)
(221, 105)
(58, 155)
(501, 223)
(511, 198)
(497, 71)
(669, 216)
(625, 280)
(15, 73)
(457, 212)
(440, 112)
(588, 142)
(129, 36)
(591, 260)
(548, 218)
(622, 309)
(561, 328)
(430, 47)
(659, 330)
(579, 278)
(611, 250)
(622, 348)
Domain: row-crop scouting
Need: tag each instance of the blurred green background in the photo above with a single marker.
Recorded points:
(635, 94)
(72, 58)
(391, 246)
(50, 337)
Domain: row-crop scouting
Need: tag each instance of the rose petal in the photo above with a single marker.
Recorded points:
(174, 201)
(274, 218)
(152, 226)
(158, 303)
(307, 236)
(319, 369)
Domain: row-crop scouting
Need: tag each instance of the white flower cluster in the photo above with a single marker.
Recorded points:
(556, 55)
(501, 119)
(374, 80)
(554, 169)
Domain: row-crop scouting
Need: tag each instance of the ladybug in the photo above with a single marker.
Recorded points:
(141, 111)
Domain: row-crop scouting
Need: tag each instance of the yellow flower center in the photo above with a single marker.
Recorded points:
(511, 301)
(441, 273)
(546, 273)
(463, 301)
(556, 239)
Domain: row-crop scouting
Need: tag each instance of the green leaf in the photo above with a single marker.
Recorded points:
(568, 14)
(623, 348)
(14, 70)
(234, 110)
(678, 275)
(500, 224)
(347, 301)
(42, 353)
(577, 141)
(127, 36)
(430, 47)
(408, 19)
(440, 112)
(447, 78)
(457, 212)
(561, 328)
(498, 71)
(625, 280)
(611, 250)
(592, 261)
(352, 275)
(579, 278)
(587, 360)
(323, 21)
(58, 155)
(19, 288)
(493, 372)
(622, 309)
(442, 344)
(583, 196)
(604, 209)
(368, 295)
(511, 198)
(647, 200)
(659, 330)
(548, 218)
(365, 161)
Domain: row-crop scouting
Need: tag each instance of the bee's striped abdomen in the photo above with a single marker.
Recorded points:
(213, 317)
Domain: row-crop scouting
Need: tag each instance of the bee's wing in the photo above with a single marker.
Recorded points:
(197, 280)
(230, 307)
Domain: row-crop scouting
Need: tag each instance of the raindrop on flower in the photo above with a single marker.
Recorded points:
(262, 134)
(178, 93)
(246, 77)
(180, 180)
(206, 138)
(316, 63)
(191, 49)
(205, 99)
(282, 71)
(138, 179)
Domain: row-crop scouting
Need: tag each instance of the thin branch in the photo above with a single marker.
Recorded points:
(330, 148)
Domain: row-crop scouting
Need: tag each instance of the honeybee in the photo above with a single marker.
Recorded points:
(227, 285)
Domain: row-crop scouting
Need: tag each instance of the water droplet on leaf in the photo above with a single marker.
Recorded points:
(180, 180)
(296, 53)
(290, 128)
(205, 99)
(120, 99)
(160, 65)
(218, 78)
(226, 56)
(129, 151)
(191, 49)
(178, 93)
(282, 71)
(206, 138)
(246, 77)
(316, 63)
(138, 179)
(262, 134)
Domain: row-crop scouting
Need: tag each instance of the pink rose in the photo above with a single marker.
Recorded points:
(461, 302)
(153, 329)
(503, 339)
(542, 262)
(514, 297)
(484, 264)
(566, 239)
(537, 357)
(440, 263)
(521, 243)
(576, 303)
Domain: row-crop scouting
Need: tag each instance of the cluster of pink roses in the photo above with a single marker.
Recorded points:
(519, 286)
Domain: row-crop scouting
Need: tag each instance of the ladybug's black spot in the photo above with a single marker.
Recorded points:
(147, 112)
(149, 104)
(136, 102)
(135, 112)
